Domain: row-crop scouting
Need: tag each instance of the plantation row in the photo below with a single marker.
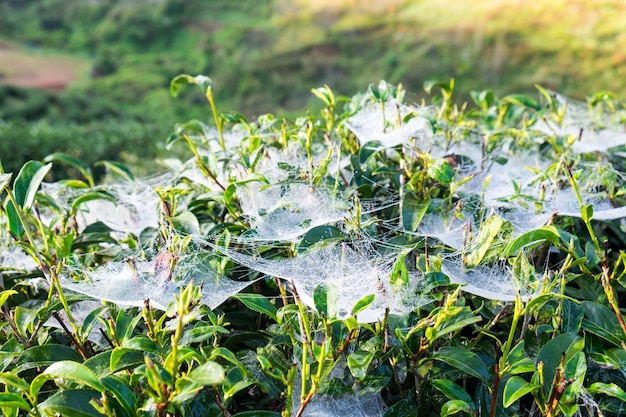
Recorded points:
(382, 258)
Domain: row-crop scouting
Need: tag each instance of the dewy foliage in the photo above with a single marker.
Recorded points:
(383, 258)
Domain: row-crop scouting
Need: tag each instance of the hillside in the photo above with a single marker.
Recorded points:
(265, 55)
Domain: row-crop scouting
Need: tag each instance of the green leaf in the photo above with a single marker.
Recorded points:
(320, 235)
(586, 212)
(550, 354)
(403, 408)
(28, 181)
(15, 224)
(209, 373)
(9, 400)
(13, 380)
(452, 390)
(4, 296)
(610, 389)
(257, 414)
(73, 162)
(368, 150)
(490, 231)
(400, 273)
(532, 238)
(122, 393)
(183, 79)
(453, 407)
(362, 304)
(441, 171)
(75, 403)
(516, 387)
(44, 355)
(75, 372)
(5, 180)
(359, 362)
(186, 222)
(325, 299)
(118, 168)
(258, 303)
(463, 360)
(413, 211)
(124, 358)
(601, 321)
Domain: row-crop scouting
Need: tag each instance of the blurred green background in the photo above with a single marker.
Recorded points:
(91, 77)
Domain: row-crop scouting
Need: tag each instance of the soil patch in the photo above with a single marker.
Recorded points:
(31, 69)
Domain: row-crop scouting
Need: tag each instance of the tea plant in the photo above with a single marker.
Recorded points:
(382, 258)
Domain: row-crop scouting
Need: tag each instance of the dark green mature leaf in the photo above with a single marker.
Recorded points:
(73, 162)
(601, 321)
(368, 150)
(572, 316)
(567, 344)
(464, 360)
(92, 195)
(532, 238)
(122, 393)
(45, 355)
(403, 408)
(320, 235)
(258, 303)
(118, 168)
(452, 390)
(75, 403)
(100, 363)
(75, 372)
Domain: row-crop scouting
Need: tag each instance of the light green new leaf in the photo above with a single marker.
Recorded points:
(516, 387)
(610, 389)
(4, 296)
(10, 400)
(487, 236)
(209, 373)
(183, 79)
(28, 181)
(362, 304)
(453, 407)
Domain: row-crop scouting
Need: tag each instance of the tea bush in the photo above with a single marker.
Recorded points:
(380, 258)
